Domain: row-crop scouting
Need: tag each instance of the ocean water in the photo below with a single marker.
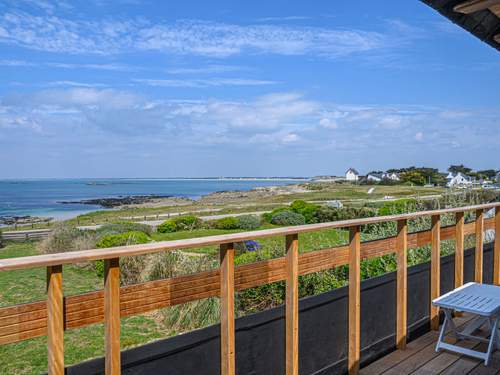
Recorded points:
(42, 197)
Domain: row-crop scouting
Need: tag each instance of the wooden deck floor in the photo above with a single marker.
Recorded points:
(421, 358)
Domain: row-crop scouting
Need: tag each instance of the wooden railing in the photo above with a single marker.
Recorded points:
(58, 313)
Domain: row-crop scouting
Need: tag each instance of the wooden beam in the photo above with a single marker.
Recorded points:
(112, 315)
(471, 6)
(495, 9)
(227, 309)
(292, 305)
(55, 321)
(354, 299)
(496, 255)
(435, 269)
(401, 283)
(459, 249)
(478, 263)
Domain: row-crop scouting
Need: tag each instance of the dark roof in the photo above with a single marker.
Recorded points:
(476, 16)
(353, 171)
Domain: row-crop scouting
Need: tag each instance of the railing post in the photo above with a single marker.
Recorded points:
(459, 249)
(292, 305)
(227, 309)
(112, 315)
(55, 321)
(401, 284)
(435, 269)
(496, 255)
(478, 273)
(354, 299)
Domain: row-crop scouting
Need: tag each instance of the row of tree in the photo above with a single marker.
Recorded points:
(426, 175)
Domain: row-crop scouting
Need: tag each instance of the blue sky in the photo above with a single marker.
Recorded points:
(133, 88)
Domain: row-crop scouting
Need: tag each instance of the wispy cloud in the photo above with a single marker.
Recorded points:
(54, 34)
(209, 69)
(283, 19)
(199, 83)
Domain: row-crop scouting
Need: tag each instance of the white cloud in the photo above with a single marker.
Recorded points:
(212, 82)
(209, 69)
(419, 136)
(54, 34)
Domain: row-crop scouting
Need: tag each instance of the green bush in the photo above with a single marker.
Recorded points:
(248, 222)
(123, 227)
(122, 239)
(186, 222)
(168, 226)
(399, 206)
(269, 215)
(305, 209)
(327, 214)
(288, 218)
(227, 223)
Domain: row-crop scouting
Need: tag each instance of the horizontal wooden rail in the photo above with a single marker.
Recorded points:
(25, 321)
(123, 251)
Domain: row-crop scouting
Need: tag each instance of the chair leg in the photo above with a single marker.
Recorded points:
(493, 337)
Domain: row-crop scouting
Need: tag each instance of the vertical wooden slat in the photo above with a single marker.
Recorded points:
(112, 315)
(496, 255)
(354, 299)
(459, 249)
(227, 309)
(401, 284)
(55, 321)
(292, 305)
(478, 269)
(435, 269)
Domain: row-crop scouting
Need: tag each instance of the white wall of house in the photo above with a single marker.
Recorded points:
(351, 175)
(459, 180)
(373, 178)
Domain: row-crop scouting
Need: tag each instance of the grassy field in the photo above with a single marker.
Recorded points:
(350, 194)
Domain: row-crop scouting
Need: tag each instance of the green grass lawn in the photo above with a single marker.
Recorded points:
(30, 356)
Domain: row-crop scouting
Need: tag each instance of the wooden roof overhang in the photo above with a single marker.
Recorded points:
(480, 17)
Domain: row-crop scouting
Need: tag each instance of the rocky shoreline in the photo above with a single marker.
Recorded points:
(119, 201)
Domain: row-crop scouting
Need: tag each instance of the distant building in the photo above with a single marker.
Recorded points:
(497, 177)
(459, 179)
(352, 175)
(374, 177)
(391, 176)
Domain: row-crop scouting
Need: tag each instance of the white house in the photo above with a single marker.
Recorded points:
(391, 176)
(352, 175)
(375, 177)
(458, 180)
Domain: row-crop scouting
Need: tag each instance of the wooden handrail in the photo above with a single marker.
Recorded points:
(53, 316)
(132, 250)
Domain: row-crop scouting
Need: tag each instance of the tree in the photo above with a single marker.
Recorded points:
(459, 169)
(487, 173)
(413, 177)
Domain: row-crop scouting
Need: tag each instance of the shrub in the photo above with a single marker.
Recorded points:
(327, 214)
(288, 218)
(123, 227)
(168, 226)
(305, 209)
(130, 267)
(399, 206)
(227, 223)
(121, 239)
(269, 215)
(185, 222)
(248, 222)
(64, 238)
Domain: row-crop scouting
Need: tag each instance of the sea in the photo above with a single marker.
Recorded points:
(43, 197)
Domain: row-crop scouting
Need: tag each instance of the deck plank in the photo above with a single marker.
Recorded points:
(421, 358)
